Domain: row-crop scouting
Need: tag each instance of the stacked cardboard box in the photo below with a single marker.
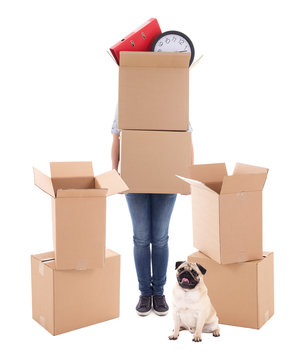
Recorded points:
(227, 231)
(154, 119)
(79, 283)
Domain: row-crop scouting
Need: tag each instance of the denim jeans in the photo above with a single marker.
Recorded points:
(150, 215)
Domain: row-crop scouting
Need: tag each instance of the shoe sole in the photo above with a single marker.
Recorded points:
(160, 313)
(143, 313)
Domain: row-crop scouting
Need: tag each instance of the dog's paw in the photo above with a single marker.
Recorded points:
(216, 333)
(197, 338)
(173, 337)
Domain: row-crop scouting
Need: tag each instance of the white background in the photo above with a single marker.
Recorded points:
(58, 90)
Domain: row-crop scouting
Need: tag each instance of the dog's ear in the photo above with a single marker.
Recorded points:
(178, 263)
(201, 268)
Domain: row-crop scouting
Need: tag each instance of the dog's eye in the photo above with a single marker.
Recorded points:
(194, 273)
(181, 270)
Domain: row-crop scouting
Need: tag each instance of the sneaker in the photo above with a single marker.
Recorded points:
(160, 305)
(144, 305)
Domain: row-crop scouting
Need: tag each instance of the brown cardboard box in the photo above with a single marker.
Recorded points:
(242, 294)
(151, 159)
(65, 300)
(153, 91)
(78, 212)
(227, 211)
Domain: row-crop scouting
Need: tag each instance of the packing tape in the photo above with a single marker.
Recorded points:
(81, 264)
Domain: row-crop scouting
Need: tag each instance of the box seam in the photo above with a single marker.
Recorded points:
(53, 281)
(219, 234)
(257, 295)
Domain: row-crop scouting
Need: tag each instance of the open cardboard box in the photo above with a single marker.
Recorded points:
(154, 91)
(78, 211)
(150, 160)
(227, 211)
(242, 294)
(65, 300)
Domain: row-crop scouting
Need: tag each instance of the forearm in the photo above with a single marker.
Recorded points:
(115, 152)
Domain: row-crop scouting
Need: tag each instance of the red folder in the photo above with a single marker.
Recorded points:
(139, 40)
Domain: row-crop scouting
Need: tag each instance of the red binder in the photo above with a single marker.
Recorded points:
(139, 40)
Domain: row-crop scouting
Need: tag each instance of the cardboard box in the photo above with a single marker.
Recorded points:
(65, 300)
(242, 294)
(154, 91)
(227, 211)
(151, 159)
(78, 211)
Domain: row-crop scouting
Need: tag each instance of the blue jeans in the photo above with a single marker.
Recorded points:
(150, 215)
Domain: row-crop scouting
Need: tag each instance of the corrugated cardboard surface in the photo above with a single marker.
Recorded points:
(227, 211)
(205, 215)
(265, 288)
(80, 232)
(70, 299)
(111, 181)
(153, 91)
(242, 294)
(42, 288)
(240, 227)
(150, 161)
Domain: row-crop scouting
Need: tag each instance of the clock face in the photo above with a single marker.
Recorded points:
(173, 41)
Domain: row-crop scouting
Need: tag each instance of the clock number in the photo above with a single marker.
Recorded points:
(174, 41)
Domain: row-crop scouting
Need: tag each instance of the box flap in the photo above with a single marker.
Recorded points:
(154, 59)
(72, 175)
(240, 183)
(241, 169)
(75, 193)
(195, 183)
(71, 169)
(195, 63)
(208, 173)
(43, 182)
(112, 181)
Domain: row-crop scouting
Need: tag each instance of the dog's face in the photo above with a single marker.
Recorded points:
(189, 274)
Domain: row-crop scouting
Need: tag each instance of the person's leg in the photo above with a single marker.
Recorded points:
(161, 210)
(139, 207)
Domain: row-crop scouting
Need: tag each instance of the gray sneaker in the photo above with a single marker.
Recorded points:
(144, 305)
(160, 305)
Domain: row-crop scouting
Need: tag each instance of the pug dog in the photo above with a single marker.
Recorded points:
(192, 309)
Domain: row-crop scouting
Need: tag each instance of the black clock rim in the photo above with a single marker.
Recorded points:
(180, 34)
